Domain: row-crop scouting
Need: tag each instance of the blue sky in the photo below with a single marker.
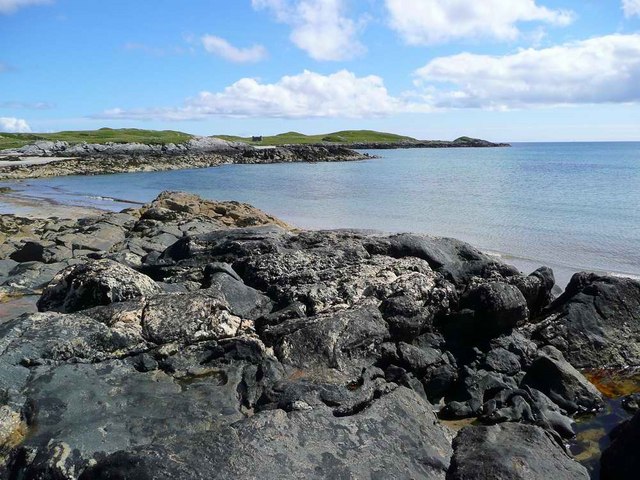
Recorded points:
(512, 70)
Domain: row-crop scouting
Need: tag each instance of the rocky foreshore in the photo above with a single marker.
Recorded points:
(462, 142)
(51, 159)
(191, 339)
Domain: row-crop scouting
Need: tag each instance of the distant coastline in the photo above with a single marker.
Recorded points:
(132, 150)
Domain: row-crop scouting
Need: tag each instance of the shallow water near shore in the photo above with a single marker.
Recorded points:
(571, 206)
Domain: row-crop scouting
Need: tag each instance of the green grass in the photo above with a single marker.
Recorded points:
(154, 137)
(104, 135)
(345, 136)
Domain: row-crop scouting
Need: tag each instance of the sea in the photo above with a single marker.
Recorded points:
(571, 206)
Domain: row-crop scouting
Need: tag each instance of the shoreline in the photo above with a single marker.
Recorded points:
(39, 206)
(205, 277)
(130, 158)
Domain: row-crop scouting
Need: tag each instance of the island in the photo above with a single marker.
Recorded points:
(108, 150)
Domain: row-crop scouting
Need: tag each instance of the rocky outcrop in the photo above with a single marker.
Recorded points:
(199, 339)
(510, 452)
(200, 152)
(99, 282)
(462, 142)
(596, 322)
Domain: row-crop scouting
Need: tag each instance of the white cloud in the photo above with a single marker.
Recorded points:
(428, 22)
(14, 125)
(599, 70)
(220, 47)
(10, 6)
(319, 27)
(631, 7)
(306, 95)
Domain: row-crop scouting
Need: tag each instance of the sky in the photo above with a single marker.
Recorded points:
(503, 70)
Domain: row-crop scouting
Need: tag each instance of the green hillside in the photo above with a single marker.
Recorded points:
(345, 136)
(155, 137)
(104, 135)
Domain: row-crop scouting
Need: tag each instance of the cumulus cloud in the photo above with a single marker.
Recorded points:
(306, 95)
(222, 48)
(428, 22)
(598, 70)
(10, 6)
(631, 7)
(319, 27)
(14, 125)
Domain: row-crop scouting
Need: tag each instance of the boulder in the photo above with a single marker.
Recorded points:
(537, 288)
(595, 322)
(555, 377)
(189, 317)
(457, 261)
(511, 451)
(487, 310)
(99, 282)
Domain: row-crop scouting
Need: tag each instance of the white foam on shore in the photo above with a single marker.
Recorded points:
(623, 275)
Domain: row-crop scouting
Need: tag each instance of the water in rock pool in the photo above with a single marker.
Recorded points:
(593, 430)
(572, 206)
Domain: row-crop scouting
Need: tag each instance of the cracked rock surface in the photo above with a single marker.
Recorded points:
(200, 340)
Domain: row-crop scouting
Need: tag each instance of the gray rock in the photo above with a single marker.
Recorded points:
(95, 283)
(487, 310)
(396, 437)
(344, 341)
(508, 452)
(555, 377)
(189, 317)
(596, 322)
(503, 361)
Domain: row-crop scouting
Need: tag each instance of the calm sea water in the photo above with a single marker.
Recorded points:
(573, 206)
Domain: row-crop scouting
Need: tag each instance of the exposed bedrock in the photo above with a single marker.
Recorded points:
(200, 339)
(509, 452)
(596, 322)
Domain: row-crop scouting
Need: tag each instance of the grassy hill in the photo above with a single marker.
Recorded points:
(155, 137)
(345, 136)
(104, 135)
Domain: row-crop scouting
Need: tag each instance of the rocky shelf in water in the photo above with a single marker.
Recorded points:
(462, 142)
(51, 159)
(191, 339)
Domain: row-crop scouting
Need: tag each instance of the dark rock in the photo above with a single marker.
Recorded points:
(96, 283)
(244, 301)
(511, 451)
(474, 388)
(537, 288)
(595, 322)
(35, 275)
(527, 405)
(397, 437)
(631, 403)
(555, 377)
(503, 361)
(620, 461)
(487, 311)
(456, 260)
(344, 341)
(30, 251)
